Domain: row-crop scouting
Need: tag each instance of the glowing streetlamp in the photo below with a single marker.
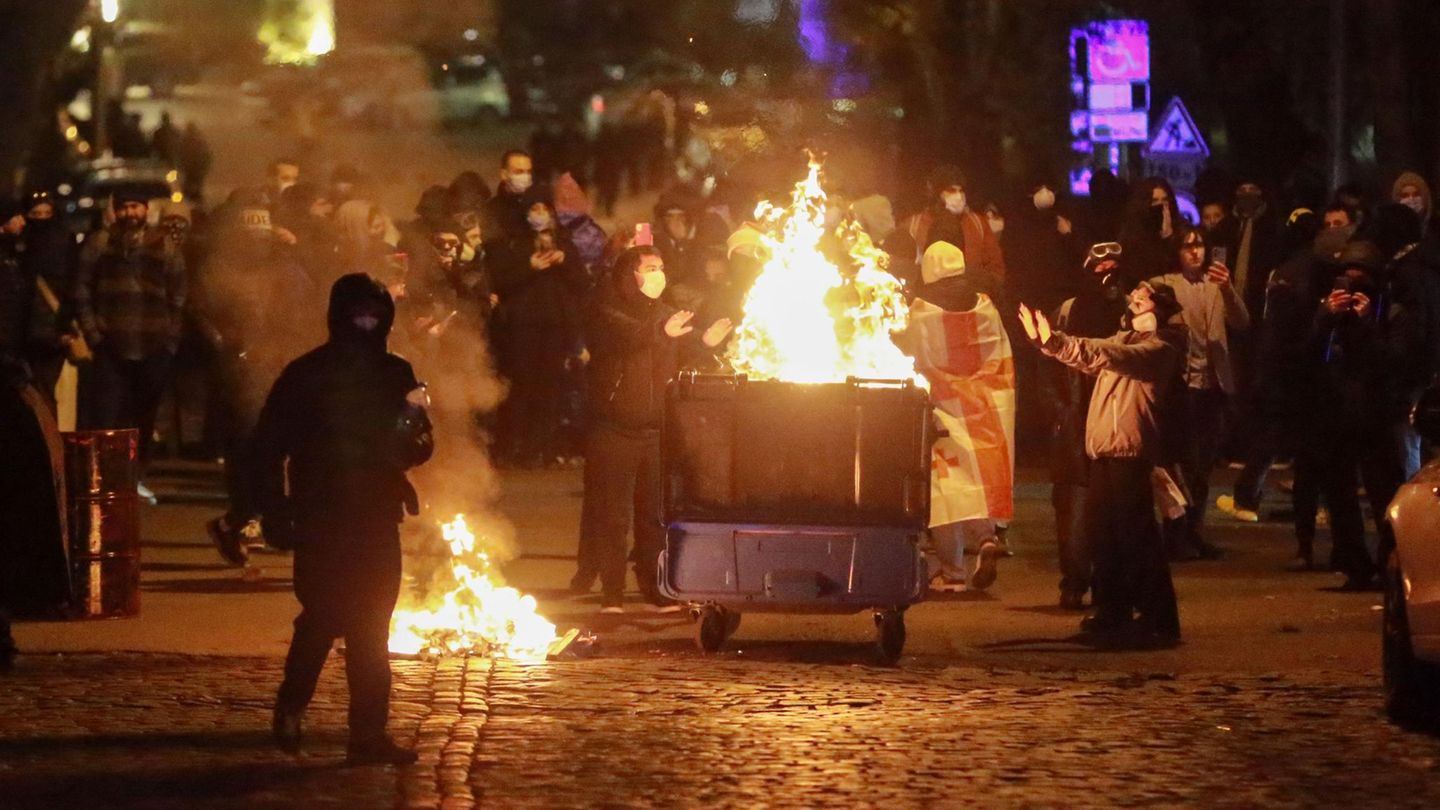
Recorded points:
(110, 10)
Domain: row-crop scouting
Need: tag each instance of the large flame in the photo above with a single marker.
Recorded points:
(297, 32)
(478, 614)
(807, 320)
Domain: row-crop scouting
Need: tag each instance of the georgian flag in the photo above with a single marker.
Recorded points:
(966, 358)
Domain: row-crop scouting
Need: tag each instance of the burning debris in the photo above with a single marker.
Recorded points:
(809, 320)
(468, 609)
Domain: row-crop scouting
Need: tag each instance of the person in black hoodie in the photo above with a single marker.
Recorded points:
(1093, 313)
(49, 259)
(337, 433)
(539, 279)
(635, 342)
(34, 576)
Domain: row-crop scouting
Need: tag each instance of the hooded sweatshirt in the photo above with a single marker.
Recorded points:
(1409, 179)
(339, 415)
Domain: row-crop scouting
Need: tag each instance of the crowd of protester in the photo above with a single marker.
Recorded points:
(1309, 329)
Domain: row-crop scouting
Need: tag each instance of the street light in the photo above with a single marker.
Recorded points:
(110, 10)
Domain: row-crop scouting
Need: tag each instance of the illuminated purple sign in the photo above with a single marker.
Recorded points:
(1118, 50)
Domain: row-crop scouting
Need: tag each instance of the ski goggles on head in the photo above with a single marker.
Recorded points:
(1105, 250)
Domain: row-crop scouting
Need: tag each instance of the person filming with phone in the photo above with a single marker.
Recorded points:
(1212, 309)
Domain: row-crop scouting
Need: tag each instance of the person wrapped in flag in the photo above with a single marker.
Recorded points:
(959, 344)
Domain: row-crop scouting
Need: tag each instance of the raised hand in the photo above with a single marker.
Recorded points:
(717, 332)
(679, 324)
(1042, 325)
(1027, 321)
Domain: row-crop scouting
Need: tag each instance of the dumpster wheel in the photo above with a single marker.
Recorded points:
(713, 626)
(890, 634)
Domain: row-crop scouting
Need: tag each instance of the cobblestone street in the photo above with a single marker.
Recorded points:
(1273, 700)
(173, 731)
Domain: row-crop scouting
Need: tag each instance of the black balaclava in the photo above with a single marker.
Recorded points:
(1393, 227)
(354, 295)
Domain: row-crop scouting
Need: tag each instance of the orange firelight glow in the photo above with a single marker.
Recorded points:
(477, 614)
(806, 319)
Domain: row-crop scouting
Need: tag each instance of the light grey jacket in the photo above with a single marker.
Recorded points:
(1133, 374)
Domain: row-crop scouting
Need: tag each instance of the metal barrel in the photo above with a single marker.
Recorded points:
(101, 471)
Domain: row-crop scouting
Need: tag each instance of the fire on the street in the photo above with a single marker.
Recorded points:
(480, 614)
(806, 319)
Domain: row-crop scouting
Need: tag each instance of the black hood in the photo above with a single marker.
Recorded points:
(351, 294)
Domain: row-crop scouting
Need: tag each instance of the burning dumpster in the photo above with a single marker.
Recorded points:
(795, 498)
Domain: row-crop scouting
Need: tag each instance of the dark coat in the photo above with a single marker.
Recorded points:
(338, 414)
(632, 359)
(50, 253)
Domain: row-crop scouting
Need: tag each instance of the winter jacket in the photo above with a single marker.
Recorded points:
(1067, 391)
(1133, 374)
(130, 293)
(1211, 314)
(537, 299)
(632, 359)
(338, 415)
(50, 255)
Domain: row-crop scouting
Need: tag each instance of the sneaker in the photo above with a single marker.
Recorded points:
(379, 751)
(612, 608)
(985, 572)
(145, 494)
(227, 541)
(945, 583)
(285, 727)
(663, 605)
(1226, 504)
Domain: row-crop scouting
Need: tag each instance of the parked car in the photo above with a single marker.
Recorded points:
(1411, 646)
(83, 205)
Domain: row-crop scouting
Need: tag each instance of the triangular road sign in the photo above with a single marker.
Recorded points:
(1175, 134)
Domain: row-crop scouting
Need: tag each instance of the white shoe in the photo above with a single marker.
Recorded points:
(612, 610)
(145, 494)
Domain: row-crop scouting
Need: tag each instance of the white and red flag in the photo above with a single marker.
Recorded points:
(966, 358)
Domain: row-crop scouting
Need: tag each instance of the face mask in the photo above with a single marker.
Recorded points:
(520, 182)
(539, 222)
(1044, 198)
(1248, 205)
(366, 323)
(1144, 323)
(652, 283)
(467, 253)
(1332, 240)
(954, 201)
(997, 225)
(1416, 204)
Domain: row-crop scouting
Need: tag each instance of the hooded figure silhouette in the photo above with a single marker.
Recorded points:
(337, 433)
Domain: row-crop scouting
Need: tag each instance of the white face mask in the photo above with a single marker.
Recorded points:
(366, 323)
(1044, 198)
(1416, 204)
(652, 284)
(997, 225)
(954, 201)
(520, 182)
(1144, 323)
